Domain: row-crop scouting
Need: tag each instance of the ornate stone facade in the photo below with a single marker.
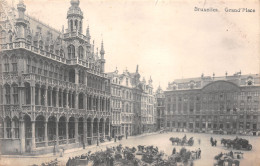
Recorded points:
(54, 92)
(228, 104)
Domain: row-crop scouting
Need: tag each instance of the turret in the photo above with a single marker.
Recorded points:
(21, 9)
(75, 17)
(21, 23)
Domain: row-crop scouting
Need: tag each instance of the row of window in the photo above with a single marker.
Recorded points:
(209, 97)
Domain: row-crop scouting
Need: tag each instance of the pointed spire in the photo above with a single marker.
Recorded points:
(137, 66)
(102, 51)
(87, 33)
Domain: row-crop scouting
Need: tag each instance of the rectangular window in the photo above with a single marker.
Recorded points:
(14, 67)
(6, 67)
(15, 94)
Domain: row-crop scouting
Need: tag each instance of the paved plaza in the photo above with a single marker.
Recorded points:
(161, 141)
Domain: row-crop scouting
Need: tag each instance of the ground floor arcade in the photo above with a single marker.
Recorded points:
(42, 134)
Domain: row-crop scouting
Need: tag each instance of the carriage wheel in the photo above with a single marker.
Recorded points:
(249, 147)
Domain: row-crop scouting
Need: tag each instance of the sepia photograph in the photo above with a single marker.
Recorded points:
(129, 83)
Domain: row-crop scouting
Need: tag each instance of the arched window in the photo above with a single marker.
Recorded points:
(6, 60)
(16, 127)
(15, 93)
(80, 27)
(51, 70)
(8, 127)
(14, 63)
(76, 24)
(71, 52)
(126, 94)
(71, 25)
(46, 66)
(10, 38)
(7, 93)
(41, 44)
(127, 108)
(40, 67)
(34, 64)
(51, 48)
(81, 52)
(28, 64)
(29, 39)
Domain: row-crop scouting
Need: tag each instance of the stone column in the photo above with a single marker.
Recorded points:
(71, 104)
(57, 133)
(39, 96)
(51, 97)
(61, 95)
(33, 135)
(67, 132)
(109, 129)
(46, 133)
(98, 133)
(67, 99)
(76, 100)
(91, 132)
(22, 136)
(104, 130)
(85, 130)
(76, 131)
(104, 106)
(57, 98)
(32, 95)
(46, 96)
(76, 74)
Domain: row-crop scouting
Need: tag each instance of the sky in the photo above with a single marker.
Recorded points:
(166, 38)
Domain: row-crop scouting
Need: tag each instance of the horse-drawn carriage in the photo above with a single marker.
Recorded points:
(182, 142)
(226, 159)
(238, 144)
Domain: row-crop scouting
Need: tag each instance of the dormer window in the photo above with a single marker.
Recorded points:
(250, 82)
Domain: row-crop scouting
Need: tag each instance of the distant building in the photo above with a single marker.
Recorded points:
(160, 109)
(54, 92)
(132, 103)
(228, 104)
(122, 103)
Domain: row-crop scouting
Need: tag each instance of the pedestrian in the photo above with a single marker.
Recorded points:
(231, 154)
(115, 138)
(173, 151)
(199, 141)
(199, 153)
(215, 142)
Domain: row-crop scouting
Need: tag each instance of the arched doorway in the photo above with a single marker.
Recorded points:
(101, 127)
(62, 130)
(81, 129)
(71, 130)
(89, 130)
(107, 127)
(28, 133)
(51, 130)
(95, 128)
(39, 131)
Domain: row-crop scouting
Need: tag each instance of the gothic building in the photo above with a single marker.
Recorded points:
(54, 92)
(227, 104)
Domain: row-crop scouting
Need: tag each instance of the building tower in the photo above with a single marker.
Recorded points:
(75, 17)
(21, 23)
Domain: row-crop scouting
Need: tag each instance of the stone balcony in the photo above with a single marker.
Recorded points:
(61, 110)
